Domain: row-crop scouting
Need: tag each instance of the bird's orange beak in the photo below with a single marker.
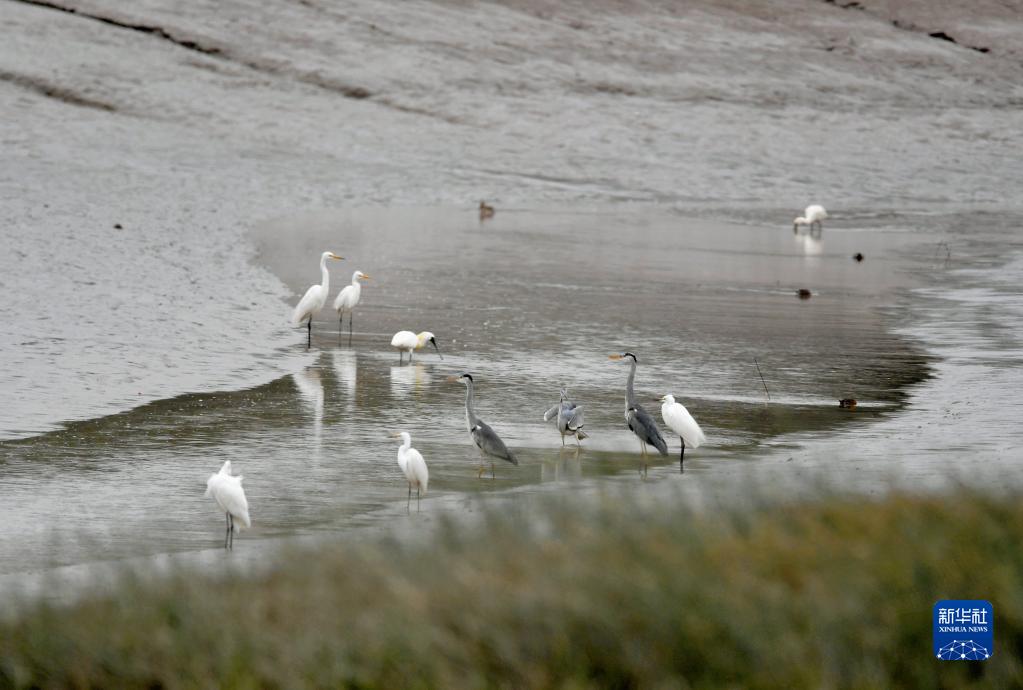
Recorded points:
(452, 379)
(335, 256)
(367, 277)
(615, 357)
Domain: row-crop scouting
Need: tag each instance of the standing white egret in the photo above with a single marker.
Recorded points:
(413, 466)
(226, 489)
(407, 341)
(346, 301)
(315, 297)
(812, 215)
(569, 418)
(678, 419)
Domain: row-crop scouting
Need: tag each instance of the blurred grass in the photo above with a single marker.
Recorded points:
(834, 594)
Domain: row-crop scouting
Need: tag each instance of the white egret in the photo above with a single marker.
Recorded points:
(413, 466)
(812, 215)
(407, 341)
(315, 297)
(678, 419)
(346, 301)
(226, 489)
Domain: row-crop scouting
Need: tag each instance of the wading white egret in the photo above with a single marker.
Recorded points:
(226, 489)
(678, 419)
(345, 302)
(812, 215)
(314, 298)
(407, 341)
(639, 420)
(485, 438)
(413, 466)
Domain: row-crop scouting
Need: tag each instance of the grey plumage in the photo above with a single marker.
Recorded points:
(485, 438)
(569, 418)
(639, 420)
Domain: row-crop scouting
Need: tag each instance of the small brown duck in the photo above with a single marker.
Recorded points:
(486, 210)
(804, 293)
(858, 256)
(847, 403)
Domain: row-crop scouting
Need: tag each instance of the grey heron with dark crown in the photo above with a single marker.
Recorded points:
(485, 438)
(569, 418)
(639, 420)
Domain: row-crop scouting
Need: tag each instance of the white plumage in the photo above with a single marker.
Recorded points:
(226, 489)
(413, 466)
(348, 298)
(407, 341)
(677, 418)
(812, 215)
(315, 297)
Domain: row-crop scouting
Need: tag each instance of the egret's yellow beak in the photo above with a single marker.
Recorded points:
(615, 357)
(452, 379)
(395, 434)
(366, 276)
(335, 256)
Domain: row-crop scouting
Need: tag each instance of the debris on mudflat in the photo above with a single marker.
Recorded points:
(847, 402)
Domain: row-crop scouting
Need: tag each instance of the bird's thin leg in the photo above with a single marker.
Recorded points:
(309, 342)
(340, 325)
(562, 440)
(418, 496)
(493, 474)
(350, 315)
(408, 504)
(227, 534)
(682, 455)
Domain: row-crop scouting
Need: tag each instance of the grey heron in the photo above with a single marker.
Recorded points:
(485, 438)
(569, 418)
(678, 419)
(407, 341)
(413, 466)
(346, 301)
(315, 297)
(226, 489)
(639, 420)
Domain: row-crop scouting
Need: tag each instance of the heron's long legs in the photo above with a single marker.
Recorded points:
(562, 440)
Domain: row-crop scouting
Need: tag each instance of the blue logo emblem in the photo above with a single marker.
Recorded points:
(964, 630)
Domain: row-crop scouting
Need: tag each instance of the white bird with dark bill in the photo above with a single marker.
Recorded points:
(407, 341)
(485, 438)
(569, 418)
(812, 215)
(345, 302)
(413, 466)
(226, 489)
(315, 297)
(678, 419)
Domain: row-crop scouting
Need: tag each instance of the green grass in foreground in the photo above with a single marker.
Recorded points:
(835, 594)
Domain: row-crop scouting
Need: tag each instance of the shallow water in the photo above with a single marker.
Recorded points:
(528, 301)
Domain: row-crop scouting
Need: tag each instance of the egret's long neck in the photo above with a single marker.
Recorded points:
(406, 442)
(355, 281)
(324, 275)
(630, 395)
(470, 404)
